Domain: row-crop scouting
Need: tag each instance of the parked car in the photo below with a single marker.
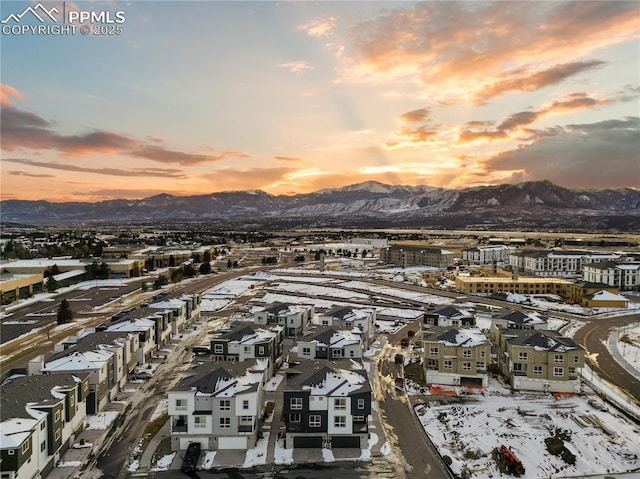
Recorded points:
(190, 459)
(144, 375)
(411, 333)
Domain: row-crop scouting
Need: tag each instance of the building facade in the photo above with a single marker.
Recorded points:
(406, 256)
(623, 276)
(487, 254)
(557, 263)
(293, 317)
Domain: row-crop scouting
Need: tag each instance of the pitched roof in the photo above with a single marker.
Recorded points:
(545, 341)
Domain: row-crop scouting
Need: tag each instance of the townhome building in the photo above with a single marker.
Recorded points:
(182, 311)
(330, 343)
(457, 357)
(99, 363)
(557, 263)
(520, 320)
(243, 343)
(451, 316)
(294, 317)
(540, 360)
(625, 276)
(39, 418)
(487, 254)
(355, 319)
(219, 406)
(327, 404)
(407, 255)
(146, 331)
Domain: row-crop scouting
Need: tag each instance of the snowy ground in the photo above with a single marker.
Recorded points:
(628, 345)
(602, 441)
(101, 420)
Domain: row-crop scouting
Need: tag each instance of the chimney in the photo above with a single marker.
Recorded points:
(514, 275)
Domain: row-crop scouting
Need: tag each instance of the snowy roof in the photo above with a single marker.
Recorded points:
(248, 335)
(545, 341)
(467, 338)
(136, 325)
(78, 361)
(521, 317)
(15, 431)
(168, 304)
(335, 339)
(329, 378)
(220, 382)
(607, 296)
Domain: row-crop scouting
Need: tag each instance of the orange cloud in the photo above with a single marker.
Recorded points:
(415, 116)
(288, 158)
(297, 67)
(320, 27)
(7, 92)
(154, 172)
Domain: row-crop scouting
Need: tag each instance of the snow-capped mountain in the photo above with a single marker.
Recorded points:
(370, 204)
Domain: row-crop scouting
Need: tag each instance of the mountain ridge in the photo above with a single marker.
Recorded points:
(367, 203)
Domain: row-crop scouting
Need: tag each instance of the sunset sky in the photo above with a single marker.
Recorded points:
(292, 97)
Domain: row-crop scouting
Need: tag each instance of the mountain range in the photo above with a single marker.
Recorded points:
(538, 205)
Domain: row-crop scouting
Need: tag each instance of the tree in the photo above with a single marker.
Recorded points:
(206, 257)
(103, 271)
(177, 275)
(364, 253)
(235, 264)
(299, 258)
(160, 282)
(189, 271)
(65, 314)
(54, 270)
(52, 284)
(205, 268)
(229, 264)
(196, 257)
(319, 253)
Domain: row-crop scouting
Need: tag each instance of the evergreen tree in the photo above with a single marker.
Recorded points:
(206, 257)
(52, 284)
(65, 314)
(205, 268)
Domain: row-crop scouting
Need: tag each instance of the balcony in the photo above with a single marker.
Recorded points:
(245, 428)
(360, 427)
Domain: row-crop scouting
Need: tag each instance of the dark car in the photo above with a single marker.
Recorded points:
(411, 333)
(190, 459)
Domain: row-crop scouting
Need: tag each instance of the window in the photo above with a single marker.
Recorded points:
(295, 417)
(480, 365)
(315, 420)
(181, 404)
(466, 353)
(337, 353)
(519, 367)
(483, 354)
(245, 404)
(558, 372)
(447, 364)
(433, 350)
(558, 358)
(57, 434)
(217, 348)
(340, 404)
(522, 356)
(200, 421)
(225, 405)
(260, 349)
(11, 452)
(466, 366)
(295, 403)
(247, 349)
(25, 446)
(306, 351)
(42, 425)
(43, 446)
(537, 370)
(340, 421)
(57, 416)
(360, 403)
(572, 371)
(576, 359)
(225, 423)
(358, 418)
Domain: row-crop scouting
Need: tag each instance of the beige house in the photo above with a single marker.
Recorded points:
(540, 360)
(457, 357)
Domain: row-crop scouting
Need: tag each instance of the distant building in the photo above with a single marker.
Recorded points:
(360, 320)
(456, 356)
(20, 286)
(293, 317)
(540, 360)
(624, 276)
(596, 295)
(406, 256)
(371, 242)
(487, 254)
(330, 343)
(557, 263)
(493, 285)
(451, 316)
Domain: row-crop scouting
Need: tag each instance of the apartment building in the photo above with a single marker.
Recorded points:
(451, 316)
(493, 285)
(557, 263)
(540, 360)
(246, 343)
(327, 404)
(146, 329)
(487, 254)
(294, 317)
(406, 256)
(623, 276)
(39, 416)
(19, 286)
(456, 357)
(330, 343)
(219, 406)
(594, 295)
(355, 319)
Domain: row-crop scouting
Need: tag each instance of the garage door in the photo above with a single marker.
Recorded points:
(307, 441)
(232, 443)
(184, 442)
(345, 441)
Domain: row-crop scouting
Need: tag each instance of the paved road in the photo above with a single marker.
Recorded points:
(593, 337)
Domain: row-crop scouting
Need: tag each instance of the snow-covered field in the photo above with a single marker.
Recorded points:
(602, 441)
(628, 345)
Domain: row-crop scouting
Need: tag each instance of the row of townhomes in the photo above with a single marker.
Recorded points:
(42, 413)
(325, 398)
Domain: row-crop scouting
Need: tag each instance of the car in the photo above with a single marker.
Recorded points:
(411, 333)
(399, 358)
(190, 459)
(144, 375)
(404, 342)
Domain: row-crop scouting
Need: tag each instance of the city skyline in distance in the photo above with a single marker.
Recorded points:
(296, 97)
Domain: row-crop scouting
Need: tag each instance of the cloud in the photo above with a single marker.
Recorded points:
(288, 158)
(297, 66)
(152, 172)
(603, 154)
(125, 193)
(415, 116)
(31, 175)
(225, 179)
(319, 28)
(459, 51)
(7, 92)
(24, 129)
(525, 81)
